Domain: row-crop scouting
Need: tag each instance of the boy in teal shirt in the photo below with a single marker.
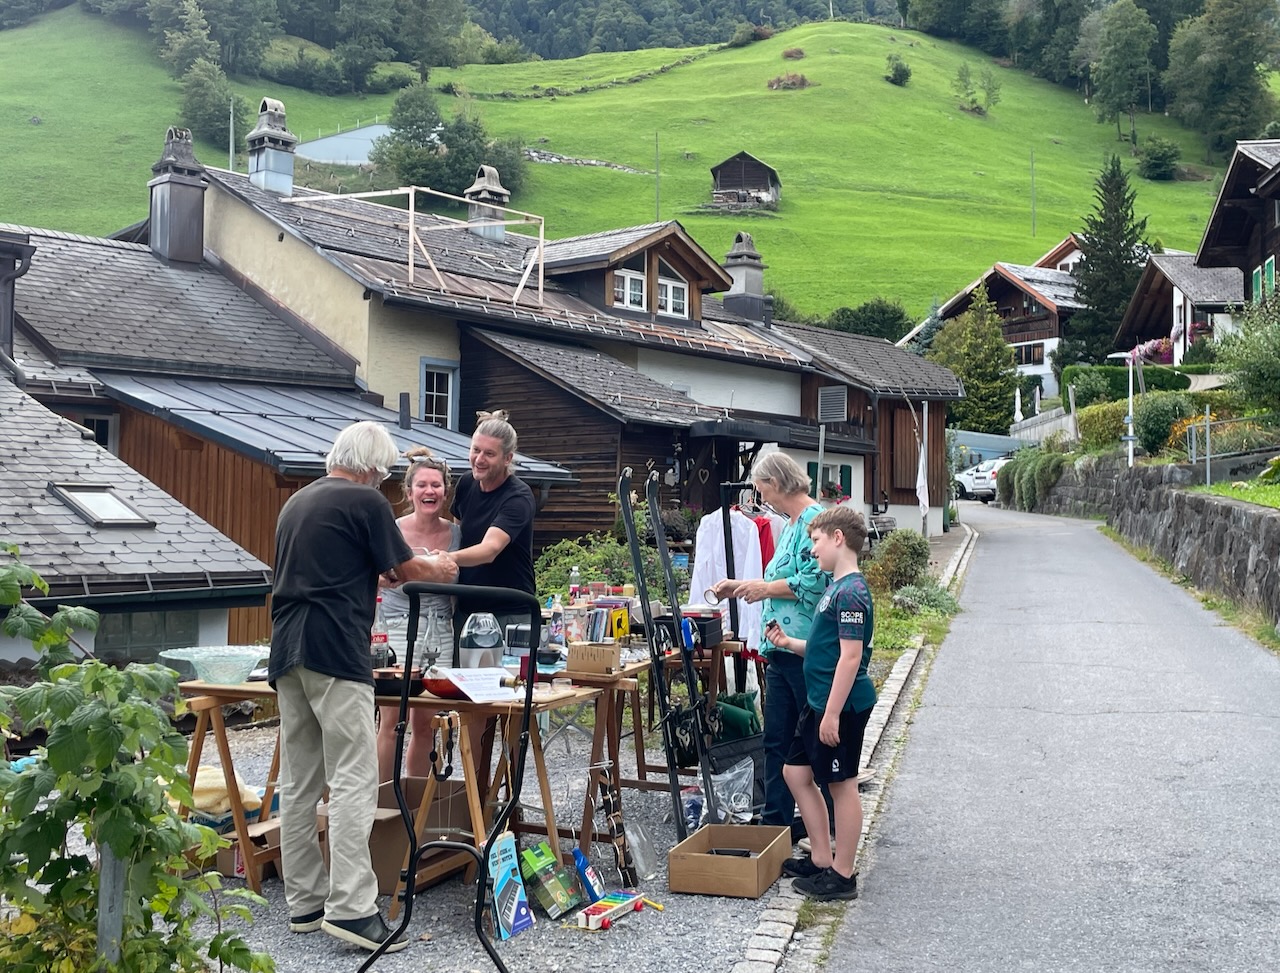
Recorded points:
(840, 696)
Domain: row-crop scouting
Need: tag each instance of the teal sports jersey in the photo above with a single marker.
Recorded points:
(845, 611)
(793, 562)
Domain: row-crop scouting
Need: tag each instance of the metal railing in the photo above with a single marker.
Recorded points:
(1210, 439)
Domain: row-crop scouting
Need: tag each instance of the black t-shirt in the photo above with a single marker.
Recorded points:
(510, 508)
(333, 538)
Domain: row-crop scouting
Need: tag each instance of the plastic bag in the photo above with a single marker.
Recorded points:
(735, 792)
(691, 799)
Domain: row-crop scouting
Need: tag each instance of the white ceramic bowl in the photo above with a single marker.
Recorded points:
(225, 665)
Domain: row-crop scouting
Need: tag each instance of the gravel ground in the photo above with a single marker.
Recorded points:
(692, 933)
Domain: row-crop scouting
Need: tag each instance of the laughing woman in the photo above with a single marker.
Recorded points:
(426, 489)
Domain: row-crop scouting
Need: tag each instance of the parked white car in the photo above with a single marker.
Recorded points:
(984, 479)
(964, 482)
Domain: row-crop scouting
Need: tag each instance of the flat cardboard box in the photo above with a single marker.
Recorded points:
(594, 657)
(388, 841)
(692, 868)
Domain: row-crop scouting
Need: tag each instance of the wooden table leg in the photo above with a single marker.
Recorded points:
(544, 785)
(604, 720)
(252, 869)
(196, 749)
(419, 822)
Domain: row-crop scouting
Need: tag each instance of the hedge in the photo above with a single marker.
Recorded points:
(1102, 425)
(1162, 378)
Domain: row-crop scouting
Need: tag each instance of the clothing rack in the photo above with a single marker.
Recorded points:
(727, 490)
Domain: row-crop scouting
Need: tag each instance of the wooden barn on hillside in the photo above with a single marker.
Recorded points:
(743, 180)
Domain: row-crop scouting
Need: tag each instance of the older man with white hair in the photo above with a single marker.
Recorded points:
(334, 537)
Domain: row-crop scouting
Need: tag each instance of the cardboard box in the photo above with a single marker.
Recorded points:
(554, 886)
(692, 868)
(598, 657)
(388, 840)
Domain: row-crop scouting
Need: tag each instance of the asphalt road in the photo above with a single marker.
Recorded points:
(1091, 782)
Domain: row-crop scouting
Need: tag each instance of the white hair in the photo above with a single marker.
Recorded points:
(362, 448)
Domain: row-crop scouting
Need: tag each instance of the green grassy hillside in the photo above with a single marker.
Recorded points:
(889, 191)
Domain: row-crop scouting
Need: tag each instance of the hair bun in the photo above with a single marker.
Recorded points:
(418, 452)
(502, 414)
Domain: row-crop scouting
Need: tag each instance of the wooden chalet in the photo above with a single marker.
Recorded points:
(1178, 300)
(1035, 304)
(1244, 226)
(743, 180)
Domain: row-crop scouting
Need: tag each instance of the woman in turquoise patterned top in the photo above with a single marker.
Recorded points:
(792, 585)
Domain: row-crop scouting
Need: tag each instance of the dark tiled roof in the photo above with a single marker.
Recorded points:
(596, 246)
(291, 428)
(1202, 285)
(608, 384)
(875, 364)
(478, 278)
(1058, 286)
(105, 302)
(180, 553)
(1263, 151)
(46, 376)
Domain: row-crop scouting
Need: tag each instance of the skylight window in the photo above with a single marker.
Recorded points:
(99, 505)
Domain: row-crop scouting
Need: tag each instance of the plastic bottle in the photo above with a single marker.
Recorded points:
(379, 639)
(575, 584)
(591, 882)
(555, 631)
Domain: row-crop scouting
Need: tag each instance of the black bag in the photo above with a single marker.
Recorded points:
(724, 755)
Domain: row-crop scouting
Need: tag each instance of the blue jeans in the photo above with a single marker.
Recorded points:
(784, 699)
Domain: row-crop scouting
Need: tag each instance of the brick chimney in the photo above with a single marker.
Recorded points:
(271, 150)
(177, 201)
(15, 260)
(487, 189)
(746, 297)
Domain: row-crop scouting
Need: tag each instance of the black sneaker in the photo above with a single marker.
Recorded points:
(367, 933)
(311, 922)
(801, 867)
(828, 886)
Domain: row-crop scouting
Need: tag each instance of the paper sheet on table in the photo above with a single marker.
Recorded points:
(483, 685)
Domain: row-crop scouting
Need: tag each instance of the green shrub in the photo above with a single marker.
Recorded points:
(925, 596)
(1091, 387)
(1201, 352)
(1048, 470)
(1158, 378)
(900, 559)
(1101, 426)
(1024, 490)
(899, 71)
(1154, 415)
(599, 557)
(1158, 158)
(1007, 478)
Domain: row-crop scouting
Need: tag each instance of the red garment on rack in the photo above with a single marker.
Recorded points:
(765, 527)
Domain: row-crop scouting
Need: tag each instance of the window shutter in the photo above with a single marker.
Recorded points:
(813, 479)
(1269, 276)
(846, 479)
(1255, 294)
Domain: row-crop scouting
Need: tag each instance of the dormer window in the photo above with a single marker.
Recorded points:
(629, 284)
(673, 292)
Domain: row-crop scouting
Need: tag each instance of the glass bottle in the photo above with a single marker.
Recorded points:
(379, 639)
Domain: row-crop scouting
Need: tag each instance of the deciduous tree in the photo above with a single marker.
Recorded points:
(973, 347)
(208, 99)
(1122, 72)
(878, 317)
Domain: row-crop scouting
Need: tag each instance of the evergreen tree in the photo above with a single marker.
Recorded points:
(364, 27)
(189, 41)
(1122, 73)
(878, 317)
(973, 347)
(1114, 250)
(923, 341)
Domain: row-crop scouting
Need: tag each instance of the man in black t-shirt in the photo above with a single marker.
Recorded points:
(495, 510)
(333, 538)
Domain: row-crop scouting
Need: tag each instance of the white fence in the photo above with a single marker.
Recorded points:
(1037, 428)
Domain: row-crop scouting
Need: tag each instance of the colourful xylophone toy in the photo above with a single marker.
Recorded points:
(599, 915)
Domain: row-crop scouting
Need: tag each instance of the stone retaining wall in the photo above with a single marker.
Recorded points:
(1222, 545)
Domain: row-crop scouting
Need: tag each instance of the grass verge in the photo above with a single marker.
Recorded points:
(1250, 491)
(1244, 618)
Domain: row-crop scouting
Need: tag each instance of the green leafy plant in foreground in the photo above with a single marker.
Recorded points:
(110, 764)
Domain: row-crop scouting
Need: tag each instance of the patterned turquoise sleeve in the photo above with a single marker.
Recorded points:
(810, 581)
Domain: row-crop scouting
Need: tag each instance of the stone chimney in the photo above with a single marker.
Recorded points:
(487, 189)
(271, 150)
(15, 260)
(177, 201)
(746, 296)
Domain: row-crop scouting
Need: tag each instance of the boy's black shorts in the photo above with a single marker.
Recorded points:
(830, 764)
